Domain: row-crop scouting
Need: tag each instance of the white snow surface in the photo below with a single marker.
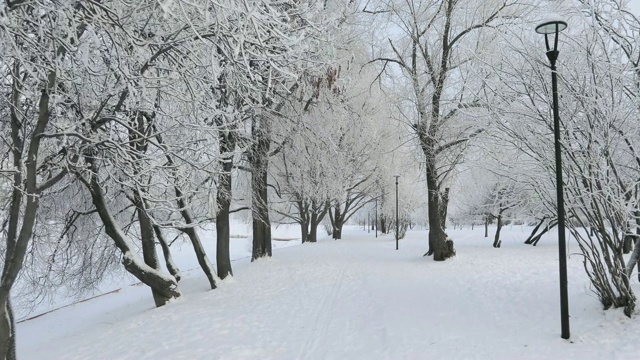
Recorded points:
(355, 298)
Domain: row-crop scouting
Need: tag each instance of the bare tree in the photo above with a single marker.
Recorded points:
(433, 58)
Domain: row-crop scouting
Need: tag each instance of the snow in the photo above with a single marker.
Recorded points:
(356, 298)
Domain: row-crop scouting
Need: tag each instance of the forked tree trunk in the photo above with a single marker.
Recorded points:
(164, 285)
(148, 245)
(535, 230)
(439, 245)
(317, 215)
(190, 231)
(534, 239)
(22, 217)
(139, 126)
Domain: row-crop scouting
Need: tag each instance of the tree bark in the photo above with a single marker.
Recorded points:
(486, 225)
(628, 241)
(444, 205)
(259, 159)
(304, 218)
(634, 259)
(223, 200)
(165, 286)
(190, 231)
(337, 222)
(535, 230)
(496, 241)
(439, 245)
(536, 239)
(148, 245)
(317, 215)
(168, 259)
(7, 328)
(17, 240)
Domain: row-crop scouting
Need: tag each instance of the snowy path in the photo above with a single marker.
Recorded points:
(356, 298)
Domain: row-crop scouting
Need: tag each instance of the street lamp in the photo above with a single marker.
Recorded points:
(376, 226)
(552, 27)
(397, 222)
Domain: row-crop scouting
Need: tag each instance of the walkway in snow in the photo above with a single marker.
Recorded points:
(356, 298)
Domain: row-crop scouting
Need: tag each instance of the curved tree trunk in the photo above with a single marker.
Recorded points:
(190, 231)
(164, 285)
(168, 259)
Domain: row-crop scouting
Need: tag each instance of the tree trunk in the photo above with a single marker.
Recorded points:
(165, 286)
(383, 225)
(634, 259)
(444, 205)
(337, 222)
(201, 254)
(439, 245)
(148, 245)
(313, 228)
(304, 218)
(535, 230)
(628, 241)
(168, 259)
(337, 232)
(317, 215)
(259, 158)
(190, 231)
(536, 239)
(496, 241)
(486, 225)
(7, 328)
(223, 200)
(26, 188)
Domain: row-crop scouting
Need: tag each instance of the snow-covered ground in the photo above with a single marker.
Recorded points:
(356, 298)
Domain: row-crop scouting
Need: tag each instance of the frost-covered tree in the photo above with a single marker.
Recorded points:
(598, 140)
(436, 55)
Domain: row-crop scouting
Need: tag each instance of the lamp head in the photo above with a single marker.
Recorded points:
(553, 24)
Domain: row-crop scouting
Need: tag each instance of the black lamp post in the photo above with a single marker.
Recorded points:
(397, 222)
(376, 225)
(552, 27)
